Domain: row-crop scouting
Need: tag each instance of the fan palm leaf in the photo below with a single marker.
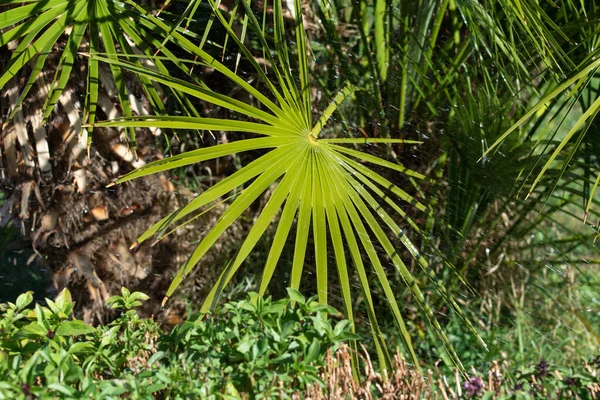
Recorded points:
(321, 185)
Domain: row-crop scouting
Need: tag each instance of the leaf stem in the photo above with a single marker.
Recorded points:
(338, 99)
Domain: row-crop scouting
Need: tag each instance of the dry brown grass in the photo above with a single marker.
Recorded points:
(404, 382)
(407, 383)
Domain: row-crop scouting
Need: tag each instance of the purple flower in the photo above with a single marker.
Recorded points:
(571, 381)
(473, 386)
(542, 368)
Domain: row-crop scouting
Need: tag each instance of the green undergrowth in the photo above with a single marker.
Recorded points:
(254, 348)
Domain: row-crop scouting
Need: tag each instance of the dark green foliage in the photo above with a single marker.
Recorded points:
(263, 348)
(18, 269)
(258, 346)
(545, 381)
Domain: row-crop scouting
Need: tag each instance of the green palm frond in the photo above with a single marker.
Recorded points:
(572, 87)
(321, 186)
(552, 103)
(95, 26)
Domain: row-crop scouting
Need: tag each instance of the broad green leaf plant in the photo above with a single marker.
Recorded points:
(320, 185)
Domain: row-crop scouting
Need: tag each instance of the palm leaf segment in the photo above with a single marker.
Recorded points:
(97, 25)
(322, 187)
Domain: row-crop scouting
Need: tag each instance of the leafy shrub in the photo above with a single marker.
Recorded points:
(258, 347)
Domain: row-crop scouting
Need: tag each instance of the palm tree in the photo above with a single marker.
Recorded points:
(407, 65)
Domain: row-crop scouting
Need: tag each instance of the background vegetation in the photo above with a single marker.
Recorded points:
(430, 167)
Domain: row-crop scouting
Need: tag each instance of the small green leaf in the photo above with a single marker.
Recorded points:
(73, 328)
(273, 309)
(245, 345)
(155, 357)
(247, 306)
(125, 292)
(53, 307)
(64, 299)
(340, 327)
(134, 304)
(81, 347)
(321, 325)
(285, 358)
(346, 336)
(110, 390)
(296, 296)
(138, 296)
(488, 395)
(40, 314)
(109, 336)
(24, 300)
(163, 377)
(62, 388)
(230, 390)
(313, 351)
(323, 308)
(9, 386)
(156, 387)
(32, 329)
(114, 302)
